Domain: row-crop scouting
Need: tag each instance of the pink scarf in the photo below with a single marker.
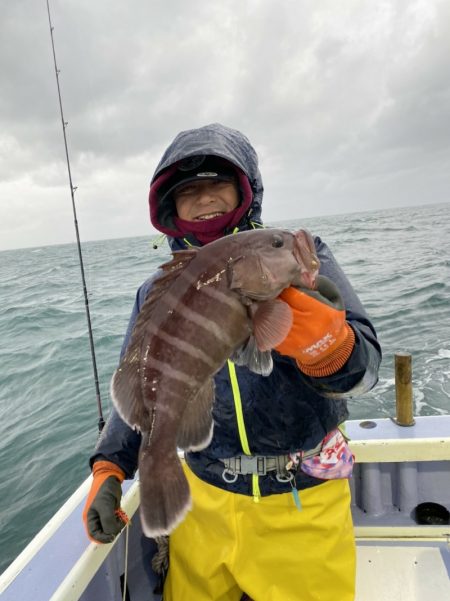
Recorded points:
(208, 230)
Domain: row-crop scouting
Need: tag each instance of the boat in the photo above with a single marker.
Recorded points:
(400, 505)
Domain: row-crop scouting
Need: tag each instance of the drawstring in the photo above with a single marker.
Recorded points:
(158, 241)
(257, 226)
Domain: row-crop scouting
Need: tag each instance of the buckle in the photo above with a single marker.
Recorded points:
(253, 465)
(260, 464)
(229, 476)
(244, 465)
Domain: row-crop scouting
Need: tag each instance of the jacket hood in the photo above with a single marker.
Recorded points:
(211, 140)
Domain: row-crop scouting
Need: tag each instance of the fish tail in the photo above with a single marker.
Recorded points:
(165, 493)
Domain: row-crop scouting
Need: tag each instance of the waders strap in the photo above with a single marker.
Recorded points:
(241, 425)
(255, 488)
(238, 408)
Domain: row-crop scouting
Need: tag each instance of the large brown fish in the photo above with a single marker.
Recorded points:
(209, 304)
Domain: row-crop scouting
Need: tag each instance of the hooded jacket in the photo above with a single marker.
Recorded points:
(284, 412)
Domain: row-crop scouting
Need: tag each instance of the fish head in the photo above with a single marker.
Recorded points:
(272, 260)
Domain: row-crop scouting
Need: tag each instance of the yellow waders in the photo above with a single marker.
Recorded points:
(229, 544)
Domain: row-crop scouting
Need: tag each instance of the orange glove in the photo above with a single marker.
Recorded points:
(320, 339)
(102, 516)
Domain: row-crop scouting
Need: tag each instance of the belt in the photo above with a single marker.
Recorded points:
(261, 464)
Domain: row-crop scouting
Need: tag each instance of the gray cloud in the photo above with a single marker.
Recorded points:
(347, 105)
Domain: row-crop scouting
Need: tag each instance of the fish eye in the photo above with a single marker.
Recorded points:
(277, 241)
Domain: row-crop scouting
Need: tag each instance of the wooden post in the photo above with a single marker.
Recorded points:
(403, 389)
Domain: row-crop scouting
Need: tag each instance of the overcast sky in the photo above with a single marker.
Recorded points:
(346, 102)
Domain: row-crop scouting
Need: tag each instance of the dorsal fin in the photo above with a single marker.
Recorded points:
(170, 271)
(126, 386)
(179, 260)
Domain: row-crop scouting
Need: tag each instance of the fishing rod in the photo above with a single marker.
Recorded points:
(101, 421)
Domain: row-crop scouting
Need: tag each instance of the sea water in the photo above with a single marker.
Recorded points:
(397, 260)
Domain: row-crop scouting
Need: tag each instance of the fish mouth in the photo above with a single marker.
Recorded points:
(305, 254)
(207, 216)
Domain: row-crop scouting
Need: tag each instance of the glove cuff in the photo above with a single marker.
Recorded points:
(335, 360)
(104, 469)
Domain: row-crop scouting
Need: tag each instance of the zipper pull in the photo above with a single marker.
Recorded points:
(296, 496)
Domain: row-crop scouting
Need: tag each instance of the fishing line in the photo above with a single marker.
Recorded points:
(101, 421)
(125, 573)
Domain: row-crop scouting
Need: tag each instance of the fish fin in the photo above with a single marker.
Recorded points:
(255, 360)
(196, 426)
(272, 320)
(169, 272)
(180, 259)
(128, 382)
(165, 497)
(126, 393)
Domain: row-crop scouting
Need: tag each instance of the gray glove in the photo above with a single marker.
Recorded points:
(102, 515)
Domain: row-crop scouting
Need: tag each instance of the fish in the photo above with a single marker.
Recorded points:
(206, 305)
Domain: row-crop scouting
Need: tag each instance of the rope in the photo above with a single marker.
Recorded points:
(160, 560)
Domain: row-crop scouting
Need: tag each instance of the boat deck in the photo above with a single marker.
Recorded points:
(407, 570)
(397, 558)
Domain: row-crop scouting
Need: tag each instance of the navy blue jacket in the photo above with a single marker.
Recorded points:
(284, 412)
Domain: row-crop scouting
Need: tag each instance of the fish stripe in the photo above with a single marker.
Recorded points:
(201, 321)
(180, 344)
(221, 297)
(208, 289)
(170, 372)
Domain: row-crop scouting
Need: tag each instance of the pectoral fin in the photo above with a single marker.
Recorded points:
(272, 321)
(255, 360)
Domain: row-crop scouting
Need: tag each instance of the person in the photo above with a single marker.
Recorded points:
(271, 503)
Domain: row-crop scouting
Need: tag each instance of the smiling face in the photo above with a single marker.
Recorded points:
(206, 199)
